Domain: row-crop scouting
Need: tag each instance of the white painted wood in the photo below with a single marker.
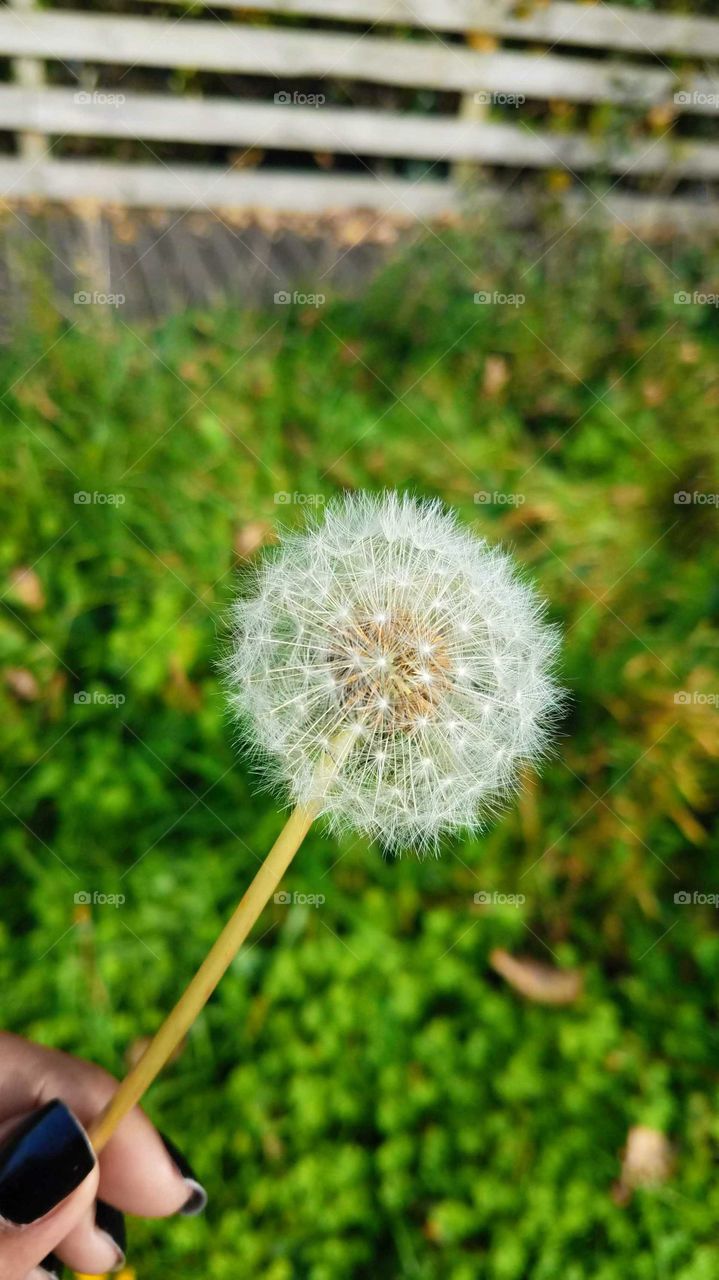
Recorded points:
(157, 117)
(152, 186)
(188, 186)
(599, 26)
(291, 55)
(30, 73)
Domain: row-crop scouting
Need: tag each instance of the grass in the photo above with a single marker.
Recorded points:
(365, 1096)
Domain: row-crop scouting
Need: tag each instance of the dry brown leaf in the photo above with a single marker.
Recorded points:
(496, 375)
(647, 1159)
(26, 587)
(251, 536)
(689, 352)
(22, 683)
(653, 393)
(539, 982)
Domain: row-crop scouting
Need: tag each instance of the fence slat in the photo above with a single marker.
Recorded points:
(30, 73)
(164, 118)
(290, 55)
(188, 186)
(152, 186)
(601, 26)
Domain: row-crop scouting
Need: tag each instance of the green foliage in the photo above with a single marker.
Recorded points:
(364, 1096)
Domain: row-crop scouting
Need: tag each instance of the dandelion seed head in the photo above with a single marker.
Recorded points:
(390, 624)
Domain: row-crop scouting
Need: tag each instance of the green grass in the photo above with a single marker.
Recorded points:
(364, 1096)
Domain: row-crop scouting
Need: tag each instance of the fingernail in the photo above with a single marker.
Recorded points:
(51, 1267)
(42, 1161)
(111, 1223)
(198, 1196)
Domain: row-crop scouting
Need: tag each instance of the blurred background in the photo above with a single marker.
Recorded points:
(250, 258)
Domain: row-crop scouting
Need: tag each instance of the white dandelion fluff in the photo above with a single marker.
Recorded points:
(388, 628)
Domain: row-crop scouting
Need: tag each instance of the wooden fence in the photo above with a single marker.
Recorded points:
(657, 64)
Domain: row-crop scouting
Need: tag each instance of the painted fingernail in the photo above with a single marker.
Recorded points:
(41, 1162)
(111, 1223)
(197, 1198)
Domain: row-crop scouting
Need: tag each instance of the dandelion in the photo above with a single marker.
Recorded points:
(392, 672)
(389, 621)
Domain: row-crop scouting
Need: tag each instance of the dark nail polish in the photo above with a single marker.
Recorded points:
(198, 1196)
(41, 1162)
(53, 1266)
(112, 1222)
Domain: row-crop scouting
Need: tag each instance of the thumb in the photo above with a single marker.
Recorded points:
(48, 1179)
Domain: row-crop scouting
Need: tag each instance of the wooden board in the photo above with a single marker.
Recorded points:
(289, 56)
(162, 117)
(597, 26)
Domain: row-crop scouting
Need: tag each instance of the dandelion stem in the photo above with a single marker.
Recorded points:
(221, 954)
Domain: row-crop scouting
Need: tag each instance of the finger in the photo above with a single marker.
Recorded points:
(48, 1180)
(137, 1173)
(96, 1243)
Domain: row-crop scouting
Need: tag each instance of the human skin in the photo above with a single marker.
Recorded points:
(51, 1180)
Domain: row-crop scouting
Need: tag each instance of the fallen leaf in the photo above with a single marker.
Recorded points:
(647, 1159)
(689, 352)
(539, 982)
(26, 587)
(653, 393)
(22, 683)
(496, 375)
(251, 537)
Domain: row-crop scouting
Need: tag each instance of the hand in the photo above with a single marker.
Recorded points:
(56, 1197)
